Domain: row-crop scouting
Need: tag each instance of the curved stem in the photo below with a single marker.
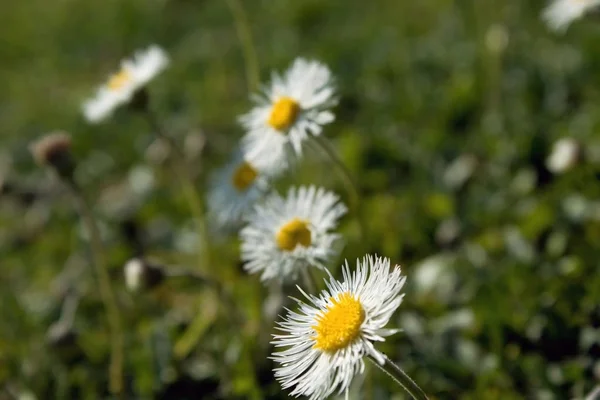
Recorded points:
(308, 281)
(398, 375)
(69, 308)
(245, 36)
(225, 295)
(349, 182)
(187, 182)
(106, 291)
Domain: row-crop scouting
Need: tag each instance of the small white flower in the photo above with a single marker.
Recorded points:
(289, 110)
(285, 235)
(235, 189)
(561, 13)
(121, 86)
(325, 342)
(564, 155)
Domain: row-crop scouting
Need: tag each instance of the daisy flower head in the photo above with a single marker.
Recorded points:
(322, 345)
(290, 109)
(235, 188)
(120, 87)
(561, 13)
(283, 235)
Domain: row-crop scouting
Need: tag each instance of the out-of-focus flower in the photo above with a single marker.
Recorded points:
(289, 110)
(284, 235)
(560, 13)
(235, 189)
(121, 87)
(565, 154)
(325, 342)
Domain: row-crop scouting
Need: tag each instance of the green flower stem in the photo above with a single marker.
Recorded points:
(308, 280)
(106, 291)
(398, 375)
(245, 37)
(349, 182)
(187, 182)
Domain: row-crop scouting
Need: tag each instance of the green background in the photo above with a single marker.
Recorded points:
(448, 110)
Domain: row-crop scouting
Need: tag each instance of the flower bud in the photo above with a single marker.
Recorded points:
(54, 150)
(140, 275)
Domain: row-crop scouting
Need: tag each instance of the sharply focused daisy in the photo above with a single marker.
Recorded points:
(323, 345)
(561, 13)
(289, 110)
(122, 85)
(235, 189)
(284, 235)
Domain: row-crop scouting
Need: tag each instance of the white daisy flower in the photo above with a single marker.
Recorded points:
(325, 342)
(285, 235)
(121, 86)
(235, 189)
(289, 110)
(561, 13)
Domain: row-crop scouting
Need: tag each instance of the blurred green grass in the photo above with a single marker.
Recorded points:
(502, 304)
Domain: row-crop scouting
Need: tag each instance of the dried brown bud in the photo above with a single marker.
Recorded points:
(54, 150)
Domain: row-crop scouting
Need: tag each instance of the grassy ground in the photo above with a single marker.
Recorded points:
(448, 111)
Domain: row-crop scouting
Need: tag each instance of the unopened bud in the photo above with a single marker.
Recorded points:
(566, 152)
(140, 275)
(54, 150)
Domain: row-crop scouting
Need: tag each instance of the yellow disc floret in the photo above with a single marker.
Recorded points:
(284, 113)
(119, 80)
(339, 325)
(292, 234)
(243, 176)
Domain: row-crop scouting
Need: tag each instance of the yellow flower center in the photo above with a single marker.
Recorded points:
(284, 113)
(118, 80)
(292, 234)
(339, 325)
(243, 176)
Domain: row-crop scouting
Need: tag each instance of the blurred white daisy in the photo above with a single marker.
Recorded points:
(122, 85)
(284, 235)
(235, 189)
(325, 342)
(289, 110)
(560, 13)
